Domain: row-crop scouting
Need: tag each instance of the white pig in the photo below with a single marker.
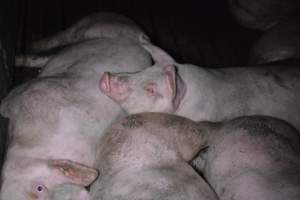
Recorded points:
(252, 158)
(204, 93)
(57, 118)
(145, 157)
(248, 158)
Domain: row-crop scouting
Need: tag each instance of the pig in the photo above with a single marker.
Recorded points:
(279, 43)
(94, 26)
(263, 14)
(145, 156)
(56, 118)
(69, 192)
(206, 94)
(251, 158)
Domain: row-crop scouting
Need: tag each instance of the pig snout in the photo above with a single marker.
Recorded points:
(115, 87)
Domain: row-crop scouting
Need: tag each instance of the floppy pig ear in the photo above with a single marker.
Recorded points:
(76, 172)
(171, 80)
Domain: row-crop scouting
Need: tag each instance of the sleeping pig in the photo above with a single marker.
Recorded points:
(57, 118)
(145, 157)
(204, 93)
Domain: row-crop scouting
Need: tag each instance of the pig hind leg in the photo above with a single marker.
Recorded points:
(71, 35)
(31, 60)
(66, 37)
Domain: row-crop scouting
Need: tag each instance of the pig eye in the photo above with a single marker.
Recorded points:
(151, 89)
(39, 189)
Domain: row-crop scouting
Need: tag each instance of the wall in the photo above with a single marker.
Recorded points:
(194, 31)
(7, 46)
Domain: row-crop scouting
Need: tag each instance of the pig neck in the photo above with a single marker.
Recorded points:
(201, 95)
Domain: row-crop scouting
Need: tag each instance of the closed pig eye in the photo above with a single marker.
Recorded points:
(150, 89)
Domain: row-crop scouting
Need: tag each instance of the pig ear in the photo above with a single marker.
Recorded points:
(176, 86)
(76, 172)
(171, 80)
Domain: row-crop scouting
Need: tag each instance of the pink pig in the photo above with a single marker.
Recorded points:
(205, 93)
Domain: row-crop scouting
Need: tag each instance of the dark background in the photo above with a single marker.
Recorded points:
(193, 31)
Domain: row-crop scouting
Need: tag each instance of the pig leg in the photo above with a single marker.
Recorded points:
(159, 56)
(63, 38)
(71, 35)
(31, 60)
(90, 27)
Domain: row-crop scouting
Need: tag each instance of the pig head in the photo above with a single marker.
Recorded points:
(157, 89)
(41, 153)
